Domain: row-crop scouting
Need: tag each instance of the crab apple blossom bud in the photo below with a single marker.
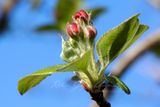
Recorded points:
(82, 14)
(91, 31)
(73, 29)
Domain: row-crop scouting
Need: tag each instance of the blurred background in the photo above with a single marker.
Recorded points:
(30, 40)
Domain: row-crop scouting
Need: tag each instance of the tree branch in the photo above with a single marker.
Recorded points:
(99, 99)
(7, 8)
(130, 57)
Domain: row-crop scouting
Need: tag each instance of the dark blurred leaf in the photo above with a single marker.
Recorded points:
(3, 22)
(95, 12)
(36, 3)
(63, 13)
(65, 9)
(49, 28)
(156, 50)
(119, 83)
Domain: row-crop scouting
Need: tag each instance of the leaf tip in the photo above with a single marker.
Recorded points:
(20, 88)
(137, 14)
(128, 92)
(147, 27)
(21, 93)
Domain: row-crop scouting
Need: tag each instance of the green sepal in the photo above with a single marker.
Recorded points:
(70, 50)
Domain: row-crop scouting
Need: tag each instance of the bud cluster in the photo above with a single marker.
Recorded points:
(81, 34)
(73, 29)
(82, 15)
(81, 26)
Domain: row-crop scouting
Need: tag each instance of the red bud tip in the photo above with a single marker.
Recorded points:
(91, 32)
(72, 29)
(82, 14)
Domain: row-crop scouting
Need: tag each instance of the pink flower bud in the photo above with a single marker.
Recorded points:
(72, 29)
(91, 32)
(82, 14)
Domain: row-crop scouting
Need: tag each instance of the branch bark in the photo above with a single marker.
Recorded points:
(99, 99)
(130, 57)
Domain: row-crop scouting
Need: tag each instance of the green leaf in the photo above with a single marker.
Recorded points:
(112, 43)
(141, 30)
(95, 12)
(119, 83)
(34, 79)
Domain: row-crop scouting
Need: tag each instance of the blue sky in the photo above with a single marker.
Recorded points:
(24, 51)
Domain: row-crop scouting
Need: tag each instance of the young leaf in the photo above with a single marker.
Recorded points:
(119, 83)
(141, 30)
(34, 79)
(111, 43)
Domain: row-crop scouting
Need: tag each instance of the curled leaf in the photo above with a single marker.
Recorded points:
(119, 83)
